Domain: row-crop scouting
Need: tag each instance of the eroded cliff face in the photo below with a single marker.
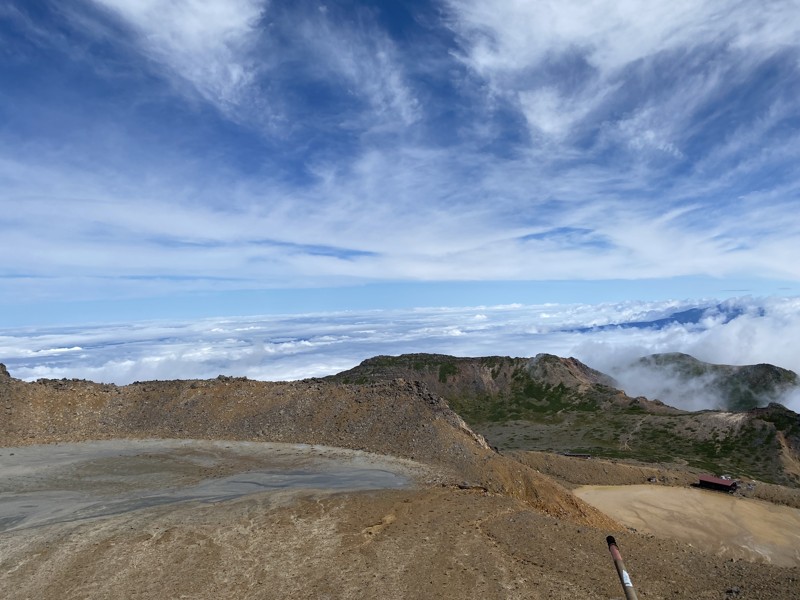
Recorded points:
(397, 417)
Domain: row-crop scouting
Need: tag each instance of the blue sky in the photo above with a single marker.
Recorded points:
(187, 158)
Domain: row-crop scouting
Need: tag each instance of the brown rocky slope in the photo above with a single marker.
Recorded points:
(429, 542)
(392, 417)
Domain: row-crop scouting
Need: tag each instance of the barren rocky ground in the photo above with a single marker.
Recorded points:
(423, 543)
(482, 526)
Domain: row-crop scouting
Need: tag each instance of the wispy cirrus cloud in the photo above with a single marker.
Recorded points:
(249, 57)
(206, 44)
(352, 49)
(581, 55)
(347, 236)
(165, 147)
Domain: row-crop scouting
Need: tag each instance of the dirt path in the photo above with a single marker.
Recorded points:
(718, 523)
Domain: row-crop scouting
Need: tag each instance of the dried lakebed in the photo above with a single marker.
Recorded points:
(59, 483)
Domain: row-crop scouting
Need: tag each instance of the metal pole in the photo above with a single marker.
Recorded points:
(624, 578)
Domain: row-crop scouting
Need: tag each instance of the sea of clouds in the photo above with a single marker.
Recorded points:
(286, 347)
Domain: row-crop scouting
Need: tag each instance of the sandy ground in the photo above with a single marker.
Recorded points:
(715, 522)
(406, 544)
(65, 482)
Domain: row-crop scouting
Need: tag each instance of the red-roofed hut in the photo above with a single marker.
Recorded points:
(710, 482)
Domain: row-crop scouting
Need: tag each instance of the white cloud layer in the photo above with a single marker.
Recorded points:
(299, 346)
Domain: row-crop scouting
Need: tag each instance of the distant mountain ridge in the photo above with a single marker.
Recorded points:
(738, 388)
(499, 387)
(482, 374)
(558, 404)
(691, 316)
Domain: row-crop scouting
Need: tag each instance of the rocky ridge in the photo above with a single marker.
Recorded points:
(733, 387)
(396, 417)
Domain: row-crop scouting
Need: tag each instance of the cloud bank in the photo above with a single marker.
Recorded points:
(763, 333)
(298, 346)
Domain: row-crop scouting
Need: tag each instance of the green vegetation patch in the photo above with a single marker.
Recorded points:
(445, 370)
